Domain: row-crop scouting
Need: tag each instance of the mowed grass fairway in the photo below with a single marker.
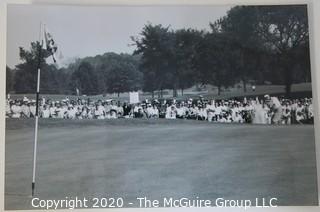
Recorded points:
(160, 158)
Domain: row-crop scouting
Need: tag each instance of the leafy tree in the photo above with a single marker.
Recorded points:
(85, 79)
(25, 79)
(123, 76)
(215, 60)
(186, 42)
(156, 49)
(109, 69)
(283, 30)
(302, 65)
(240, 25)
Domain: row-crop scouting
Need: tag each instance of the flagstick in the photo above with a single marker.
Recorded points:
(36, 135)
(37, 119)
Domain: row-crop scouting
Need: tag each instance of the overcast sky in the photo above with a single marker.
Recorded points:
(87, 31)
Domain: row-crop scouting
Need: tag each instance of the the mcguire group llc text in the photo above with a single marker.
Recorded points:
(145, 202)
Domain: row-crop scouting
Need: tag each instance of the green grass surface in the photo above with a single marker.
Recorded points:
(160, 158)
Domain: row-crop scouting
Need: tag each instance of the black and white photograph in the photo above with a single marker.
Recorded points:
(159, 106)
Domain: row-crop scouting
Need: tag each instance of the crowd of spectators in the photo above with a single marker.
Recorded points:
(267, 110)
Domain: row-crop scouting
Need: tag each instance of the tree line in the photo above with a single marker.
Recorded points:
(250, 43)
(260, 43)
(107, 73)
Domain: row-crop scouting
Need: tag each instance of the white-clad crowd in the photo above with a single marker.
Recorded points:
(267, 110)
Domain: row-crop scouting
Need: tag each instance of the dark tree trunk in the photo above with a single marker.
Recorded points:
(219, 90)
(181, 91)
(288, 81)
(287, 74)
(174, 91)
(244, 83)
(152, 93)
(197, 87)
(288, 90)
(118, 94)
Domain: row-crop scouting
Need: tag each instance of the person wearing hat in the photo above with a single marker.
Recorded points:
(149, 111)
(90, 110)
(144, 108)
(155, 111)
(52, 109)
(83, 112)
(217, 111)
(78, 110)
(137, 110)
(162, 108)
(276, 108)
(16, 109)
(181, 113)
(99, 112)
(120, 111)
(25, 99)
(71, 112)
(86, 113)
(210, 108)
(126, 110)
(286, 112)
(300, 113)
(25, 110)
(195, 111)
(45, 113)
(171, 112)
(59, 113)
(188, 110)
(107, 108)
(64, 110)
(202, 114)
(113, 110)
(140, 113)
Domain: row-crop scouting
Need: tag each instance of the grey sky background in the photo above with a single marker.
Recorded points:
(81, 31)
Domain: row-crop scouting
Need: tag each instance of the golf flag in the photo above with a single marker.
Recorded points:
(48, 43)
